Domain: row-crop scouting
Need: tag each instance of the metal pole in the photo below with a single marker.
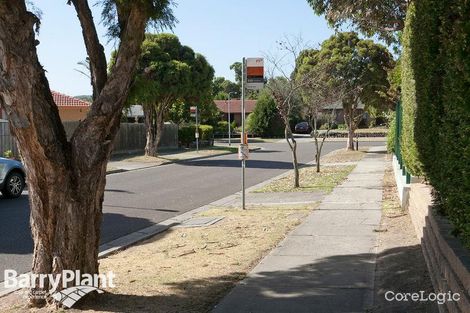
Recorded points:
(197, 131)
(229, 121)
(243, 130)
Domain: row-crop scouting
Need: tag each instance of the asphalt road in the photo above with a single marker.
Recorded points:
(138, 199)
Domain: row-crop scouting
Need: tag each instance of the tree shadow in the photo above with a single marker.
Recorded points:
(260, 164)
(339, 283)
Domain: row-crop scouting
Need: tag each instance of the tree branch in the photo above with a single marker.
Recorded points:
(95, 51)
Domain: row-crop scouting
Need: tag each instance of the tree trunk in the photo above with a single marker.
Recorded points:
(350, 143)
(293, 147)
(66, 178)
(149, 118)
(160, 128)
(349, 119)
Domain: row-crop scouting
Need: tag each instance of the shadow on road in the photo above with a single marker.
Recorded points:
(261, 164)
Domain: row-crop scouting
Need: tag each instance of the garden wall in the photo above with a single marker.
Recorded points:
(447, 260)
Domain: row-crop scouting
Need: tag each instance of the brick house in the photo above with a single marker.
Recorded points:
(235, 109)
(70, 108)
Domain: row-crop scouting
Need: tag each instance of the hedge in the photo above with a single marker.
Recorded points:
(436, 102)
(392, 132)
(186, 134)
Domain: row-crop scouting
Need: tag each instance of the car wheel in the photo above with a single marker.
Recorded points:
(14, 185)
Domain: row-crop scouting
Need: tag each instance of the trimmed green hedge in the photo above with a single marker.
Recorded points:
(392, 132)
(186, 134)
(436, 101)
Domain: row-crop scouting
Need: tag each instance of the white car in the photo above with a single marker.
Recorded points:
(12, 178)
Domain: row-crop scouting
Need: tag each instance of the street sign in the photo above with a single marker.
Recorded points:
(254, 73)
(196, 135)
(243, 152)
(193, 111)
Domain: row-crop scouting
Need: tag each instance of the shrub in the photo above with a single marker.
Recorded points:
(206, 132)
(392, 129)
(265, 120)
(186, 134)
(436, 121)
(342, 127)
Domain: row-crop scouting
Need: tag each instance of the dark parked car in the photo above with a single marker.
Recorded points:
(12, 178)
(303, 128)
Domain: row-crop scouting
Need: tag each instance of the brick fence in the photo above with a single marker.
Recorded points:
(447, 260)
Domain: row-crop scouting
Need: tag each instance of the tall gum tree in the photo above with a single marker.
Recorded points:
(168, 72)
(360, 68)
(384, 18)
(66, 178)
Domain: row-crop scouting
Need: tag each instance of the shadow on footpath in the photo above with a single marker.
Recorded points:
(301, 289)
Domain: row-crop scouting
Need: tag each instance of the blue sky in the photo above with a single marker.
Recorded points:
(222, 30)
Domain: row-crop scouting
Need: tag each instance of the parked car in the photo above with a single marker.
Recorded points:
(302, 128)
(12, 178)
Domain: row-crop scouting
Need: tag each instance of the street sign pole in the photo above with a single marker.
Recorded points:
(243, 131)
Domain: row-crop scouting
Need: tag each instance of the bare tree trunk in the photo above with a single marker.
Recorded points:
(349, 112)
(66, 179)
(160, 122)
(293, 147)
(149, 118)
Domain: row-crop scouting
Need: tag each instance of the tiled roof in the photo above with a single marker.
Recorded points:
(62, 100)
(235, 105)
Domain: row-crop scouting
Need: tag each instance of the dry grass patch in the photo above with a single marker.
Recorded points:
(310, 180)
(191, 269)
(343, 155)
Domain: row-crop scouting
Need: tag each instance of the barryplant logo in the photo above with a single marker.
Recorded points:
(83, 284)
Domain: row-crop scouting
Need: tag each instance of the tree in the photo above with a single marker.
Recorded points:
(208, 113)
(222, 87)
(385, 18)
(360, 68)
(317, 95)
(285, 89)
(265, 119)
(168, 73)
(237, 68)
(66, 178)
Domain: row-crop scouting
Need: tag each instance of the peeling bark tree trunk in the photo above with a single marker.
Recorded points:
(350, 120)
(66, 179)
(160, 128)
(149, 117)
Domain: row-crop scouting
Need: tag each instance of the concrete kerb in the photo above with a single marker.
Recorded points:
(118, 171)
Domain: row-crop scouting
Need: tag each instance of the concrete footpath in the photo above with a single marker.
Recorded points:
(327, 264)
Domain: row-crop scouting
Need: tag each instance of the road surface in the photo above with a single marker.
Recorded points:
(141, 198)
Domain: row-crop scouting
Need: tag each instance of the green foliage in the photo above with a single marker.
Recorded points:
(351, 69)
(265, 120)
(221, 88)
(237, 68)
(384, 18)
(186, 134)
(116, 12)
(180, 113)
(436, 82)
(392, 132)
(169, 73)
(8, 154)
